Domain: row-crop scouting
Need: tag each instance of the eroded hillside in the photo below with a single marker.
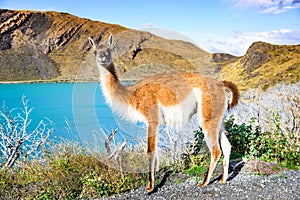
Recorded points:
(54, 46)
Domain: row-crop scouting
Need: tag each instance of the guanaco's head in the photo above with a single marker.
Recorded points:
(103, 51)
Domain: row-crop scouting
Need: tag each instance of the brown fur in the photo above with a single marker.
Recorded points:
(235, 92)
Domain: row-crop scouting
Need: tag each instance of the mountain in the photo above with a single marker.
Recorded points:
(53, 46)
(264, 65)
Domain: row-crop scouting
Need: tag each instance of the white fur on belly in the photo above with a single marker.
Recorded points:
(177, 116)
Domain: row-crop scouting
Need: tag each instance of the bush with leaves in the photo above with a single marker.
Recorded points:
(251, 141)
(196, 158)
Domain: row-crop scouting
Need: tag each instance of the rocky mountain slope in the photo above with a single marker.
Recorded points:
(264, 65)
(53, 46)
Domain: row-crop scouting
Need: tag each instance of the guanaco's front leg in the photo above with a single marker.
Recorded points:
(152, 131)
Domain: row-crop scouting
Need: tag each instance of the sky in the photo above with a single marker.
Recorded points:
(229, 26)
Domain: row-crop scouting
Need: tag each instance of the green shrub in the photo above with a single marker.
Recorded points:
(195, 170)
(196, 160)
(252, 141)
(247, 140)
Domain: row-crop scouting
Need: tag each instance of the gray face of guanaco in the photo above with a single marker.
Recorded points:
(103, 52)
(103, 55)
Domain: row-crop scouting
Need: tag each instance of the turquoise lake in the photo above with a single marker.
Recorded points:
(81, 105)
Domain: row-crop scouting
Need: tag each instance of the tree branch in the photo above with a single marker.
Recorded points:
(18, 140)
(107, 141)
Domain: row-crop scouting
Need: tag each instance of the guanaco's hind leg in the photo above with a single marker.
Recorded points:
(226, 148)
(212, 141)
(152, 131)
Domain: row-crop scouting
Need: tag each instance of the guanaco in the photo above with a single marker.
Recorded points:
(170, 99)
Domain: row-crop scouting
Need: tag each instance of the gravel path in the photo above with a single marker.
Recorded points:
(243, 185)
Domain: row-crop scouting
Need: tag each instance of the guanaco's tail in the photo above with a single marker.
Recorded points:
(234, 92)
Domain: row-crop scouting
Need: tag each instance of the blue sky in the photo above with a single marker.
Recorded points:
(229, 26)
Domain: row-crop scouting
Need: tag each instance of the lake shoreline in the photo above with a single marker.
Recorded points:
(60, 81)
(45, 81)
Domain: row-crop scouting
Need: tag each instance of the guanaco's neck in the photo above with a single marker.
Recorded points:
(110, 84)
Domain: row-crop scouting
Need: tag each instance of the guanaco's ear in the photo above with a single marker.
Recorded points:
(92, 43)
(110, 40)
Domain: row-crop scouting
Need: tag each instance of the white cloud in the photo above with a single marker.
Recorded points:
(149, 25)
(235, 43)
(169, 34)
(266, 6)
(238, 42)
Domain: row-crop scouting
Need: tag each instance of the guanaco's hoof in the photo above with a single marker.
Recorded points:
(223, 181)
(149, 188)
(203, 184)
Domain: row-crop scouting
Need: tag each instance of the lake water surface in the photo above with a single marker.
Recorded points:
(80, 104)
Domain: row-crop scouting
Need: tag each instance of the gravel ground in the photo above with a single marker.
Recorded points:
(241, 185)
